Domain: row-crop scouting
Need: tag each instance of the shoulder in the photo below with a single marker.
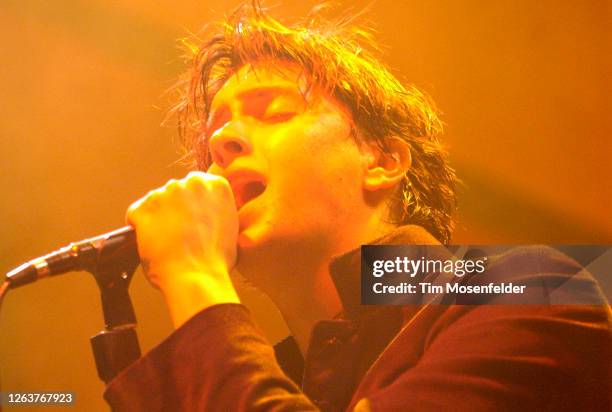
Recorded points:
(535, 356)
(547, 275)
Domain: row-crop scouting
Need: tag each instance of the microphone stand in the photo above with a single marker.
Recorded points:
(112, 260)
(115, 347)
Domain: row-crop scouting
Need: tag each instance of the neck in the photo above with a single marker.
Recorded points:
(307, 302)
(308, 294)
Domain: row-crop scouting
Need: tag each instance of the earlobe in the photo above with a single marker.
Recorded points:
(387, 167)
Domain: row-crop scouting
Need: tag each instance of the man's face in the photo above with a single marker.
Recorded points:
(293, 164)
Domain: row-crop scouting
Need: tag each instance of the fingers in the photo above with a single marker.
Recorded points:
(187, 230)
(195, 182)
(134, 210)
(199, 182)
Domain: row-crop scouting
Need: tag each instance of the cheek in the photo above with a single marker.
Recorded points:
(318, 142)
(321, 168)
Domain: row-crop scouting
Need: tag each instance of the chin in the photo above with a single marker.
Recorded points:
(245, 241)
(254, 236)
(261, 249)
(252, 245)
(254, 258)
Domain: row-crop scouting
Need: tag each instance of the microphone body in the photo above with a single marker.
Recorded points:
(83, 255)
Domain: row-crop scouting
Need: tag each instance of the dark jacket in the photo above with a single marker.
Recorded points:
(384, 358)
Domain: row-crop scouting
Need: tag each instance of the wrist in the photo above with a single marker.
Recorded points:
(188, 293)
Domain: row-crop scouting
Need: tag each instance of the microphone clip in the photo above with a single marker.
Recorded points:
(116, 347)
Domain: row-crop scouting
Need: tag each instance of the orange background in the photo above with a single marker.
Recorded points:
(524, 87)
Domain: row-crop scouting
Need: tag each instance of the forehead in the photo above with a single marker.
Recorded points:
(281, 76)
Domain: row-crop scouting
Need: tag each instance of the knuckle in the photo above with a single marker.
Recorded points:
(153, 196)
(207, 181)
(195, 180)
(132, 211)
(150, 200)
(193, 173)
(172, 184)
(219, 181)
(192, 178)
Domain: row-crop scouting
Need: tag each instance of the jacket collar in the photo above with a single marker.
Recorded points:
(345, 269)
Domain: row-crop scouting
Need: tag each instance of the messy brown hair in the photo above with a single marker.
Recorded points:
(338, 57)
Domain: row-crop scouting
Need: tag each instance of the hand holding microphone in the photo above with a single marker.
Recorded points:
(186, 233)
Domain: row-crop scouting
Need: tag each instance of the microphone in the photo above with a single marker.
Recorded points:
(119, 244)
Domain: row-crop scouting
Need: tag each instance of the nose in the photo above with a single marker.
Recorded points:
(226, 145)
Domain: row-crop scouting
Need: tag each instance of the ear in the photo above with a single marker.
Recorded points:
(387, 168)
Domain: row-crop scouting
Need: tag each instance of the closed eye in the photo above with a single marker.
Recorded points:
(279, 117)
(273, 105)
(267, 104)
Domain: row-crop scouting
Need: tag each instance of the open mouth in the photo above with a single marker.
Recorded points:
(247, 190)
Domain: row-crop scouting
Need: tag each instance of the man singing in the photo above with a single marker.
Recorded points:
(306, 148)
